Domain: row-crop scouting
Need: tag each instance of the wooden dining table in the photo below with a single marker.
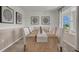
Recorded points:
(33, 46)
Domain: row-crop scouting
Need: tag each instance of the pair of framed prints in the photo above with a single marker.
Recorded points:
(7, 15)
(45, 20)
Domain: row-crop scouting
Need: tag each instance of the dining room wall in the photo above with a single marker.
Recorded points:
(26, 17)
(53, 18)
(18, 9)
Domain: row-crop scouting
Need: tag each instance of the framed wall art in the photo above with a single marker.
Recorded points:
(45, 20)
(34, 20)
(6, 14)
(18, 18)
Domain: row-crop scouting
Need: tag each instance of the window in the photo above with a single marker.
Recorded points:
(69, 19)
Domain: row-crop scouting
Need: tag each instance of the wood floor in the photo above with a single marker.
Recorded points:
(33, 46)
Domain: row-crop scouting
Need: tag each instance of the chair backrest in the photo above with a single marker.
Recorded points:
(51, 30)
(55, 32)
(46, 29)
(31, 29)
(26, 31)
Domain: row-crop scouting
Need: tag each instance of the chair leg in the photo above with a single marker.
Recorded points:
(24, 48)
(61, 49)
(76, 51)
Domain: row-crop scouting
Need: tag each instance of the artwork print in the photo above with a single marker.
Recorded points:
(45, 20)
(34, 20)
(6, 14)
(18, 18)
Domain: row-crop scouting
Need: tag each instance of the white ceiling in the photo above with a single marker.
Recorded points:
(39, 8)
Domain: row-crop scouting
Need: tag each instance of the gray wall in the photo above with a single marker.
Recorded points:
(53, 18)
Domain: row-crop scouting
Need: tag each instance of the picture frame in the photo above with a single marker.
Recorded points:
(34, 20)
(45, 20)
(6, 15)
(18, 18)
